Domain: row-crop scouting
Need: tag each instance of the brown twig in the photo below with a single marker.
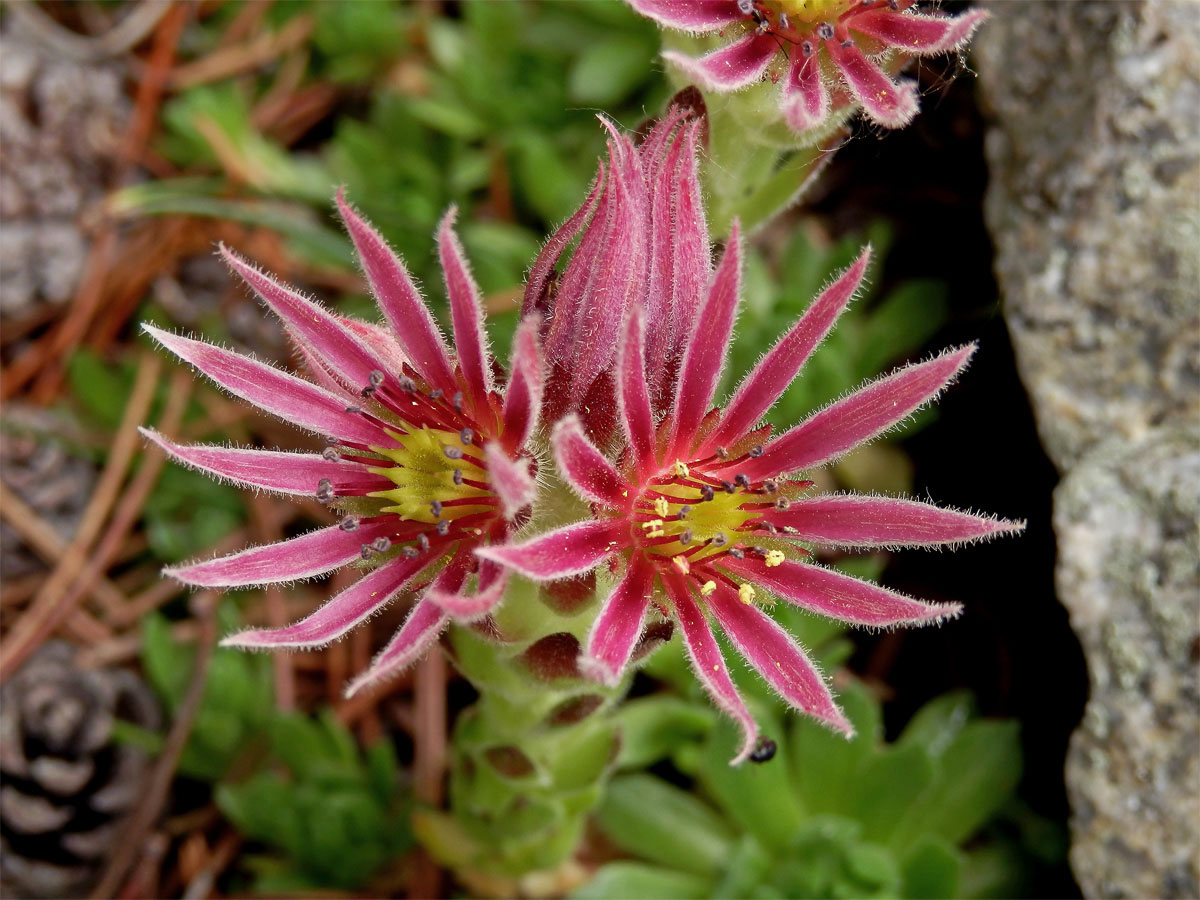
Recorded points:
(429, 759)
(50, 604)
(229, 61)
(142, 819)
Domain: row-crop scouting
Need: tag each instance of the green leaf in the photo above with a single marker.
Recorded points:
(979, 771)
(609, 69)
(931, 870)
(887, 787)
(628, 879)
(653, 727)
(101, 389)
(663, 824)
(748, 868)
(825, 765)
(168, 667)
(939, 721)
(902, 323)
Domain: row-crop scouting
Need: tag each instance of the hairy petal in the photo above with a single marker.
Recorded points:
(709, 664)
(805, 100)
(830, 593)
(307, 556)
(523, 396)
(691, 15)
(585, 466)
(733, 66)
(418, 633)
(286, 396)
(858, 418)
(856, 520)
(311, 323)
(466, 310)
(400, 301)
(633, 396)
(884, 101)
(571, 550)
(466, 607)
(778, 658)
(617, 628)
(707, 348)
(915, 34)
(760, 390)
(537, 286)
(339, 614)
(510, 479)
(270, 470)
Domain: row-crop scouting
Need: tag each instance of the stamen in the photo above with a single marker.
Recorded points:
(453, 453)
(706, 492)
(458, 476)
(746, 593)
(457, 401)
(824, 31)
(742, 480)
(746, 7)
(770, 529)
(680, 469)
(782, 503)
(719, 539)
(806, 48)
(423, 541)
(436, 394)
(435, 507)
(366, 551)
(407, 385)
(410, 552)
(774, 558)
(684, 510)
(770, 485)
(708, 587)
(350, 523)
(325, 490)
(847, 44)
(894, 4)
(685, 537)
(330, 455)
(681, 563)
(380, 544)
(727, 487)
(722, 453)
(662, 507)
(443, 527)
(784, 23)
(353, 409)
(755, 452)
(375, 379)
(466, 436)
(736, 553)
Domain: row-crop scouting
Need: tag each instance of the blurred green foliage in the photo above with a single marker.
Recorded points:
(826, 817)
(327, 814)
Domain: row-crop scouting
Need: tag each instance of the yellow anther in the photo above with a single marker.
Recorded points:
(653, 524)
(662, 507)
(657, 532)
(774, 558)
(681, 563)
(708, 587)
(681, 469)
(746, 593)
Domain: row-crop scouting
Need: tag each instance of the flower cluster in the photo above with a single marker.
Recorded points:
(698, 513)
(835, 51)
(427, 459)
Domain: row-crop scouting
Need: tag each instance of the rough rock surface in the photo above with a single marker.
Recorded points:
(1094, 208)
(1126, 520)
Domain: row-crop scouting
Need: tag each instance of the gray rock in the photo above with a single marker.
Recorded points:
(1126, 519)
(1095, 211)
(1094, 206)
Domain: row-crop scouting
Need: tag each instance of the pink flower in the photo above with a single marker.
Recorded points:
(700, 514)
(642, 241)
(831, 46)
(427, 456)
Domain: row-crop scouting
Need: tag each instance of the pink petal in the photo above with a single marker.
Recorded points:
(777, 658)
(320, 370)
(419, 631)
(884, 101)
(400, 301)
(571, 550)
(585, 467)
(829, 593)
(324, 332)
(466, 310)
(666, 191)
(855, 520)
(271, 470)
(734, 66)
(853, 420)
(759, 390)
(915, 34)
(286, 396)
(691, 15)
(380, 340)
(307, 556)
(537, 285)
(493, 579)
(632, 396)
(339, 614)
(523, 396)
(618, 626)
(707, 348)
(709, 664)
(510, 479)
(805, 101)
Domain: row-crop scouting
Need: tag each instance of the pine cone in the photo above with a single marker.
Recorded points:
(66, 784)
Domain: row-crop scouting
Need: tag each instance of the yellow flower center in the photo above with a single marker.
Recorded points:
(687, 516)
(809, 10)
(437, 476)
